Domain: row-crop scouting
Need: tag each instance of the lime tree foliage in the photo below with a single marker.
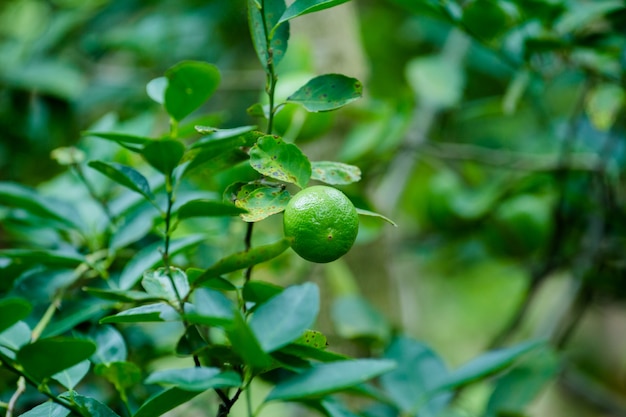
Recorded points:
(149, 276)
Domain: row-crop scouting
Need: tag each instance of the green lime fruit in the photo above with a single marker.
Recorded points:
(321, 223)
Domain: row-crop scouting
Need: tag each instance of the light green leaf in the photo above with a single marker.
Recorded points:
(15, 337)
(124, 175)
(364, 212)
(335, 173)
(245, 344)
(436, 81)
(214, 133)
(327, 92)
(13, 310)
(286, 316)
(70, 377)
(124, 296)
(326, 378)
(47, 409)
(94, 407)
(169, 285)
(603, 104)
(35, 357)
(302, 7)
(45, 257)
(145, 313)
(208, 208)
(354, 318)
(111, 345)
(156, 89)
(579, 15)
(273, 157)
(122, 375)
(261, 201)
(131, 142)
(164, 401)
(190, 84)
(195, 379)
(164, 155)
(242, 260)
(212, 308)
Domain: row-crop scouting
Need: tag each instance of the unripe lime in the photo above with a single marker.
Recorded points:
(321, 223)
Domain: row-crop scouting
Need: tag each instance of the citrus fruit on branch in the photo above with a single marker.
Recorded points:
(321, 223)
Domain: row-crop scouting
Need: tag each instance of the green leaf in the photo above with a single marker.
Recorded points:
(36, 360)
(131, 142)
(355, 318)
(488, 364)
(156, 89)
(286, 316)
(212, 308)
(45, 257)
(259, 292)
(150, 257)
(245, 344)
(603, 104)
(436, 81)
(214, 134)
(195, 379)
(146, 313)
(578, 16)
(273, 157)
(164, 155)
(13, 310)
(124, 175)
(17, 195)
(208, 208)
(414, 384)
(122, 375)
(323, 379)
(215, 283)
(261, 201)
(111, 345)
(302, 7)
(242, 260)
(15, 337)
(327, 92)
(363, 212)
(266, 36)
(485, 19)
(169, 285)
(164, 401)
(47, 409)
(124, 296)
(190, 84)
(214, 159)
(70, 377)
(335, 173)
(94, 407)
(312, 338)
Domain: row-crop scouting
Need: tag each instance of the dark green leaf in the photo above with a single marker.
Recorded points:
(488, 364)
(147, 313)
(211, 308)
(216, 283)
(36, 360)
(273, 157)
(124, 296)
(74, 313)
(286, 316)
(70, 377)
(94, 407)
(323, 379)
(150, 257)
(47, 409)
(131, 142)
(208, 208)
(354, 317)
(245, 344)
(190, 84)
(302, 7)
(164, 155)
(169, 285)
(122, 375)
(195, 379)
(335, 173)
(261, 201)
(327, 92)
(214, 159)
(124, 175)
(242, 260)
(485, 19)
(13, 310)
(265, 36)
(164, 401)
(259, 291)
(45, 257)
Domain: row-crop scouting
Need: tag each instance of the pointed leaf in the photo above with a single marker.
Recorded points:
(242, 260)
(35, 357)
(323, 379)
(111, 345)
(245, 344)
(190, 84)
(212, 308)
(70, 377)
(47, 409)
(214, 133)
(215, 283)
(335, 173)
(169, 285)
(327, 92)
(124, 175)
(45, 257)
(94, 407)
(124, 296)
(603, 105)
(150, 257)
(122, 375)
(15, 337)
(286, 316)
(121, 138)
(261, 201)
(273, 157)
(208, 208)
(259, 291)
(195, 379)
(270, 42)
(302, 7)
(13, 310)
(164, 401)
(156, 89)
(164, 155)
(363, 212)
(147, 313)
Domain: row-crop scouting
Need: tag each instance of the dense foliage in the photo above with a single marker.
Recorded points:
(148, 150)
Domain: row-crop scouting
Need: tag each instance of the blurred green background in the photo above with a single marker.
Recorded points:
(491, 132)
